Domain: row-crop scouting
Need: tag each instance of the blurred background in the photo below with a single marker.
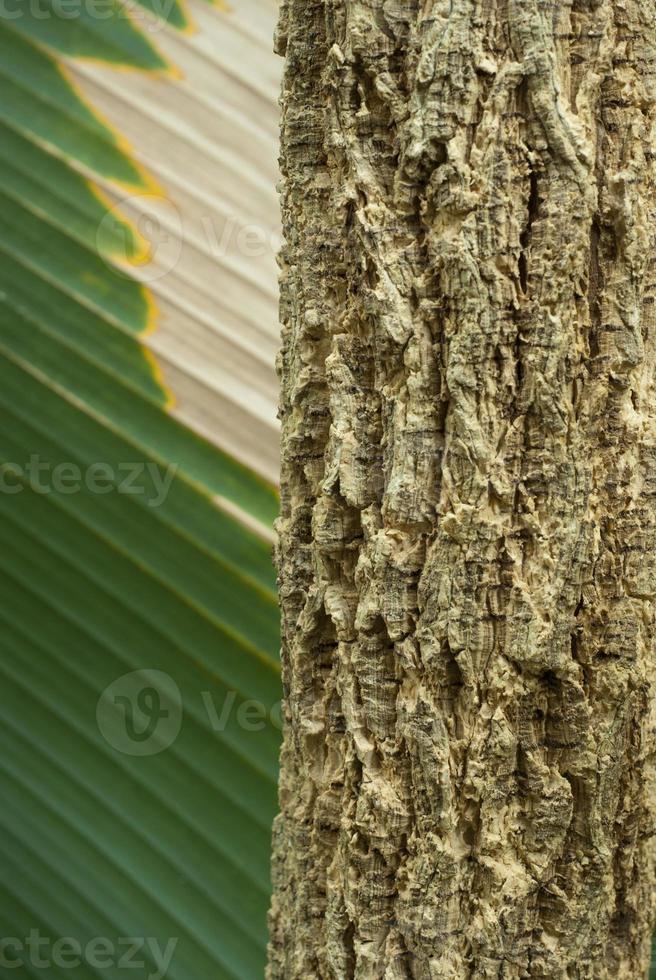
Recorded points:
(140, 717)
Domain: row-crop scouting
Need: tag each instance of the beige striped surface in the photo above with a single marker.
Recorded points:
(209, 139)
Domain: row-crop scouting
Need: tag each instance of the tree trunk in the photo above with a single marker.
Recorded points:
(467, 540)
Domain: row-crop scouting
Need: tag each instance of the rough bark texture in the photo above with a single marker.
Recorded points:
(467, 541)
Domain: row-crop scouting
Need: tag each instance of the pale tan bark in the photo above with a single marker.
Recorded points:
(467, 551)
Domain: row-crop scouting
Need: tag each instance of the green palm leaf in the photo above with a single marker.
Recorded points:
(139, 625)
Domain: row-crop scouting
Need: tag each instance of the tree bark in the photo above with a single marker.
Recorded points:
(467, 548)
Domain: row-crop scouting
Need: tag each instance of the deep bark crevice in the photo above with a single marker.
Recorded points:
(525, 238)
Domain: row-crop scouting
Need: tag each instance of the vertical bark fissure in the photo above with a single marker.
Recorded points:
(525, 239)
(466, 542)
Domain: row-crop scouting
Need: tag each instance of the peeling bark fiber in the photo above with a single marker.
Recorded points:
(467, 547)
